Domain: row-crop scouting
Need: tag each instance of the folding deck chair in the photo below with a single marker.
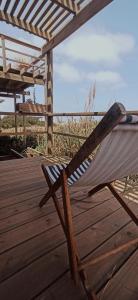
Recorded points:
(116, 158)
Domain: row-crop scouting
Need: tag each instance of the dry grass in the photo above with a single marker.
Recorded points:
(68, 146)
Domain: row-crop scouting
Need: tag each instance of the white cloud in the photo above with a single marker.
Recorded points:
(93, 47)
(67, 72)
(106, 77)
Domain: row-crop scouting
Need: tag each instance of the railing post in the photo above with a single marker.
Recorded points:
(24, 128)
(3, 53)
(15, 115)
(50, 101)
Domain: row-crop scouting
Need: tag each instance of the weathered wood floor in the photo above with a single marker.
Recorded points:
(33, 253)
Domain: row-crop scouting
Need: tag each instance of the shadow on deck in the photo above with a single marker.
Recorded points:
(34, 261)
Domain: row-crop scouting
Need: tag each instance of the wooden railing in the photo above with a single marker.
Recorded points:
(41, 132)
(36, 64)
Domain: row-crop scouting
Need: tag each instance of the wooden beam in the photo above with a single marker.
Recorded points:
(3, 54)
(49, 83)
(6, 95)
(134, 112)
(81, 137)
(107, 255)
(84, 15)
(20, 52)
(24, 122)
(24, 70)
(11, 39)
(25, 79)
(23, 25)
(15, 117)
(29, 132)
(70, 5)
(8, 68)
(36, 73)
(2, 113)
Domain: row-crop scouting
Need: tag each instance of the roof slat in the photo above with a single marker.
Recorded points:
(6, 5)
(30, 9)
(52, 21)
(49, 17)
(16, 2)
(70, 6)
(44, 14)
(38, 11)
(22, 8)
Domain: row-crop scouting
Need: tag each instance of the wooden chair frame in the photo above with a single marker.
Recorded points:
(77, 268)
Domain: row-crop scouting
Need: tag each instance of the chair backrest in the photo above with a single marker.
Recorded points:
(116, 158)
(105, 126)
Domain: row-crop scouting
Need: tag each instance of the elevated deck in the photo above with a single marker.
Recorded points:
(19, 67)
(34, 261)
(14, 82)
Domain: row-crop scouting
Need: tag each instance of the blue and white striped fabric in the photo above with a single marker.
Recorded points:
(55, 170)
(112, 161)
(129, 119)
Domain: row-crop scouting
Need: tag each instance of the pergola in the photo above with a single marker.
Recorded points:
(52, 20)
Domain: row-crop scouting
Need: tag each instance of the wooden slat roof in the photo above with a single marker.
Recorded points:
(35, 16)
(52, 20)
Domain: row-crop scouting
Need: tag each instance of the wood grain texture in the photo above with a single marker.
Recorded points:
(33, 260)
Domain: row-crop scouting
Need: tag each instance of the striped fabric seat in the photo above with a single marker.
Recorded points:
(113, 153)
(116, 158)
(130, 119)
(55, 170)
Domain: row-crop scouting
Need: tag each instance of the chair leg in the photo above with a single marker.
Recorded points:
(74, 259)
(67, 225)
(122, 202)
(55, 199)
(69, 229)
(96, 189)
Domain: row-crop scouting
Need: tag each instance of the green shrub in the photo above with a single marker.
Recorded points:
(16, 143)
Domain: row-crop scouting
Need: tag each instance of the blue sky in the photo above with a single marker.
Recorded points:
(103, 52)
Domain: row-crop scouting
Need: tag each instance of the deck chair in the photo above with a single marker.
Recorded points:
(116, 157)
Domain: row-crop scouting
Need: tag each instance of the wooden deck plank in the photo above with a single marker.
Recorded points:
(54, 264)
(125, 283)
(22, 194)
(37, 226)
(97, 275)
(33, 198)
(25, 185)
(34, 261)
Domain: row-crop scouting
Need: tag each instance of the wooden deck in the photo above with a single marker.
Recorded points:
(13, 82)
(33, 260)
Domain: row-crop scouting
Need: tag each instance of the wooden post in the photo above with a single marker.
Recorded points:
(3, 53)
(45, 89)
(15, 118)
(50, 101)
(24, 129)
